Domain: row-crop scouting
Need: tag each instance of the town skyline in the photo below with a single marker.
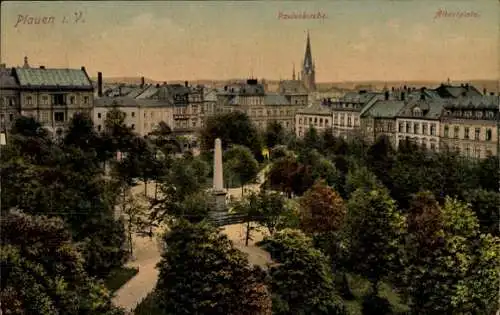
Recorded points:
(398, 41)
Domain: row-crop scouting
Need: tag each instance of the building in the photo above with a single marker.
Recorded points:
(142, 115)
(317, 116)
(379, 119)
(451, 91)
(294, 90)
(261, 107)
(419, 122)
(347, 112)
(308, 73)
(54, 96)
(10, 107)
(469, 125)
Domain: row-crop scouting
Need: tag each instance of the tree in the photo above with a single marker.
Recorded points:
(322, 209)
(312, 139)
(165, 140)
(275, 134)
(361, 178)
(42, 271)
(81, 133)
(301, 282)
(488, 173)
(201, 273)
(450, 268)
(373, 232)
(242, 164)
(136, 218)
(116, 132)
(485, 205)
(233, 128)
(289, 176)
(380, 159)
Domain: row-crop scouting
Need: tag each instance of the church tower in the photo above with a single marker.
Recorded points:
(308, 72)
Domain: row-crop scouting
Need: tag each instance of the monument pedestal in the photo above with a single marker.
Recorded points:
(220, 200)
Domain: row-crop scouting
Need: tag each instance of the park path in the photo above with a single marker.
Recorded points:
(148, 254)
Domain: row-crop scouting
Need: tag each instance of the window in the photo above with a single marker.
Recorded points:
(477, 133)
(321, 121)
(2, 117)
(479, 114)
(401, 127)
(45, 116)
(99, 127)
(467, 151)
(456, 131)
(446, 131)
(58, 99)
(12, 102)
(488, 134)
(99, 115)
(477, 152)
(326, 122)
(86, 100)
(433, 146)
(133, 126)
(72, 100)
(416, 128)
(408, 127)
(133, 114)
(300, 120)
(59, 116)
(45, 100)
(489, 153)
(433, 130)
(29, 100)
(466, 132)
(11, 117)
(424, 128)
(349, 121)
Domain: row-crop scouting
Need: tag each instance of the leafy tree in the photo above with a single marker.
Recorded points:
(361, 178)
(488, 173)
(81, 133)
(233, 128)
(42, 271)
(380, 159)
(322, 209)
(195, 207)
(312, 139)
(201, 273)
(373, 232)
(242, 163)
(275, 134)
(301, 282)
(449, 267)
(164, 139)
(279, 151)
(290, 177)
(485, 205)
(116, 133)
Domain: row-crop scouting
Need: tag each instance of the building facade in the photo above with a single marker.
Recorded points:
(379, 119)
(261, 107)
(142, 115)
(469, 125)
(54, 96)
(316, 116)
(419, 122)
(10, 107)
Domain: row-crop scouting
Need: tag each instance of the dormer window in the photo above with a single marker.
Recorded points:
(479, 114)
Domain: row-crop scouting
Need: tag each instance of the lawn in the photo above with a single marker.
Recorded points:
(118, 277)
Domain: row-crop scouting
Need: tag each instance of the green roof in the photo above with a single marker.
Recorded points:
(38, 77)
(385, 109)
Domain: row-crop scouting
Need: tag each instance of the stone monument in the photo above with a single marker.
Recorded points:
(218, 189)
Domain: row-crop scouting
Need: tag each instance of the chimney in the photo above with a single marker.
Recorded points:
(42, 67)
(485, 92)
(142, 82)
(157, 85)
(422, 95)
(492, 93)
(83, 69)
(393, 89)
(386, 95)
(99, 84)
(402, 96)
(186, 83)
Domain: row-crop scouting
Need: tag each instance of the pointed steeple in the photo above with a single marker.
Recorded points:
(293, 74)
(26, 64)
(308, 61)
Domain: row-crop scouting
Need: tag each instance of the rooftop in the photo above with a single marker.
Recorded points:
(51, 78)
(384, 109)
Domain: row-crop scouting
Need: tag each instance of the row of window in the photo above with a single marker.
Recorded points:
(471, 114)
(423, 143)
(273, 112)
(57, 99)
(11, 101)
(315, 121)
(470, 152)
(417, 128)
(467, 133)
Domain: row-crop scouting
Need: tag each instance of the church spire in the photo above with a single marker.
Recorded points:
(293, 74)
(308, 61)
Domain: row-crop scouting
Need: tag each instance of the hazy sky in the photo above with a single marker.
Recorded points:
(356, 40)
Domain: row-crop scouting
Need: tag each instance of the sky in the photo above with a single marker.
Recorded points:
(353, 40)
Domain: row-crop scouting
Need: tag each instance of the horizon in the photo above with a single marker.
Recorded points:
(188, 41)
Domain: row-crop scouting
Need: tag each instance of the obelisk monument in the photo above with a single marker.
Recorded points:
(218, 188)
